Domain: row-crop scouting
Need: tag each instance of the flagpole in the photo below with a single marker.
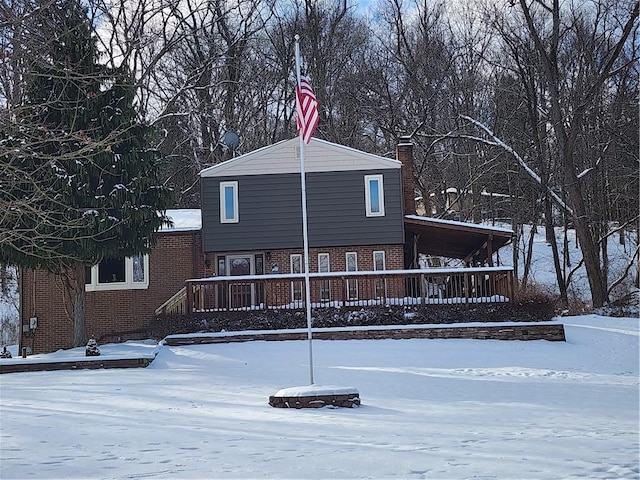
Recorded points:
(305, 235)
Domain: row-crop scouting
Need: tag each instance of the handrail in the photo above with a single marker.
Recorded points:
(177, 300)
(351, 289)
(425, 271)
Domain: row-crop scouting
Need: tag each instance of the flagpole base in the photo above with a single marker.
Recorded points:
(315, 396)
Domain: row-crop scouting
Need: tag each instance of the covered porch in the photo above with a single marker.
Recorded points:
(472, 244)
(474, 279)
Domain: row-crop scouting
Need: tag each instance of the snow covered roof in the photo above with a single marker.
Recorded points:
(184, 220)
(473, 226)
(452, 239)
(284, 157)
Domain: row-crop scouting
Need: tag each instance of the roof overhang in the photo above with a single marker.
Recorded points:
(465, 241)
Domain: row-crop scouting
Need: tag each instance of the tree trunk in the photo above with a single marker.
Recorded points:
(551, 238)
(588, 245)
(528, 256)
(604, 252)
(4, 280)
(76, 294)
(516, 242)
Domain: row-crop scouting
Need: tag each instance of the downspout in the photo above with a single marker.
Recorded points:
(194, 267)
(20, 306)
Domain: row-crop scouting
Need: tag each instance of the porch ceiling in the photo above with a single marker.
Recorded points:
(455, 239)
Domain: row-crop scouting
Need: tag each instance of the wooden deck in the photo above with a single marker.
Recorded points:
(434, 286)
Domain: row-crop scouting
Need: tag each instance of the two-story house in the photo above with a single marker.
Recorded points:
(361, 218)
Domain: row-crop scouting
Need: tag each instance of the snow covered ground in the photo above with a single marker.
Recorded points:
(450, 409)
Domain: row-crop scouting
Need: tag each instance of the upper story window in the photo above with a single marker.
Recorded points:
(118, 274)
(374, 195)
(229, 202)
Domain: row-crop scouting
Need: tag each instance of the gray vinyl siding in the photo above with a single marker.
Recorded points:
(270, 212)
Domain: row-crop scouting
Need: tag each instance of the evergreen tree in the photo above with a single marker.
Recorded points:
(78, 177)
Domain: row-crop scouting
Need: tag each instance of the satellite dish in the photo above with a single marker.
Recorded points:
(231, 141)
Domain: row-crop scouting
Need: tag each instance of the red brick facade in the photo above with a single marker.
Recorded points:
(176, 257)
(394, 258)
(116, 315)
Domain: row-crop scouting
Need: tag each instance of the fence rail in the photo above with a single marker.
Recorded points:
(345, 289)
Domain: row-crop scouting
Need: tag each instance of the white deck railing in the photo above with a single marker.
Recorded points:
(435, 286)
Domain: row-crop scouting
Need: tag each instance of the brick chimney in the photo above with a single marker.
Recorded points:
(404, 154)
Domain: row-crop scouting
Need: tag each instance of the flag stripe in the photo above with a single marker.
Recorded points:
(307, 109)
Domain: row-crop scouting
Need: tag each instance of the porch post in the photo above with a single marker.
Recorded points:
(490, 250)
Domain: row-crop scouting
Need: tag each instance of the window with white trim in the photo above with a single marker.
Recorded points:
(296, 285)
(324, 267)
(122, 273)
(229, 202)
(374, 195)
(379, 264)
(352, 284)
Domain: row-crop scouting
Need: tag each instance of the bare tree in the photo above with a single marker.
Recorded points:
(600, 38)
(78, 181)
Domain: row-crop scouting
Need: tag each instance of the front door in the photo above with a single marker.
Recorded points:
(241, 292)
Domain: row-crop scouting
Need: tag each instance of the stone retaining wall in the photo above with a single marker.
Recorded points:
(551, 332)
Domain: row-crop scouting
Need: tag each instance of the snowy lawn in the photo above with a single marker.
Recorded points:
(450, 409)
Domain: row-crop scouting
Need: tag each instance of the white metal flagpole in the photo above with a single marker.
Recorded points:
(305, 236)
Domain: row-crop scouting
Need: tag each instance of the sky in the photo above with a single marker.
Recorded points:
(431, 409)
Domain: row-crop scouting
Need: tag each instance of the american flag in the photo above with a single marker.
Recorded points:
(307, 109)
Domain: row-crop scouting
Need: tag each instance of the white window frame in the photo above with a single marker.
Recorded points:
(297, 286)
(380, 284)
(384, 260)
(223, 203)
(352, 285)
(324, 285)
(368, 179)
(128, 284)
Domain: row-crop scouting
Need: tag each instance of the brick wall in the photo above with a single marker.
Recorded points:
(176, 257)
(394, 258)
(282, 293)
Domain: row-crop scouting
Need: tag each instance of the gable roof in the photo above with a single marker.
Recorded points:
(284, 157)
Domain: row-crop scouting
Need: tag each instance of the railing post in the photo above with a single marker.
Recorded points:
(189, 291)
(265, 294)
(466, 288)
(512, 286)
